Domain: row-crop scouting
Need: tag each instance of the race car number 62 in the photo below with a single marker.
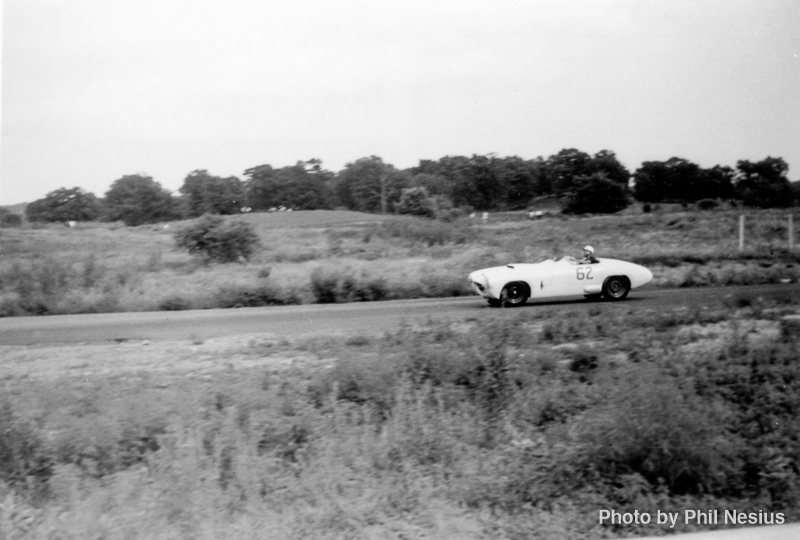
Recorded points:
(584, 273)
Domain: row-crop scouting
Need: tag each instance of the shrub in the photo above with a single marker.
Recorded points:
(9, 219)
(323, 286)
(583, 362)
(92, 272)
(330, 287)
(218, 240)
(239, 296)
(23, 455)
(370, 380)
(439, 286)
(449, 214)
(707, 204)
(650, 428)
(415, 201)
(35, 289)
(174, 303)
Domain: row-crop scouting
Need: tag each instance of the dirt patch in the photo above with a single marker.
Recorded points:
(169, 358)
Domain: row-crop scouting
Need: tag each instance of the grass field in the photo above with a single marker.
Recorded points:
(333, 256)
(518, 424)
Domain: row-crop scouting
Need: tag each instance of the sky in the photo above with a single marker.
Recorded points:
(93, 90)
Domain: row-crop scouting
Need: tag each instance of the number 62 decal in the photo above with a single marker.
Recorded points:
(585, 273)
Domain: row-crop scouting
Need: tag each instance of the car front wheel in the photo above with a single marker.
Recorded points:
(514, 294)
(616, 288)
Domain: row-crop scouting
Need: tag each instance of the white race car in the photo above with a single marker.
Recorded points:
(513, 284)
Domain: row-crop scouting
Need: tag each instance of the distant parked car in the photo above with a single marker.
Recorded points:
(513, 284)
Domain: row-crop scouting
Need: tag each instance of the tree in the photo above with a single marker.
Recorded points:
(218, 240)
(606, 162)
(674, 180)
(538, 171)
(456, 170)
(369, 184)
(649, 181)
(206, 194)
(434, 184)
(598, 195)
(519, 181)
(483, 182)
(764, 183)
(715, 183)
(795, 187)
(137, 199)
(416, 201)
(563, 168)
(305, 185)
(64, 204)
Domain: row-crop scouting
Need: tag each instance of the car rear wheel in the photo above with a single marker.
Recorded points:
(616, 288)
(514, 294)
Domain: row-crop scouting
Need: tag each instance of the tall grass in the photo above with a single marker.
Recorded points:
(517, 424)
(105, 267)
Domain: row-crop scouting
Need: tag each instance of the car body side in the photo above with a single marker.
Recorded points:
(553, 279)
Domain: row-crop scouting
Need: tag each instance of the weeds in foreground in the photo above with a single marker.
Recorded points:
(503, 425)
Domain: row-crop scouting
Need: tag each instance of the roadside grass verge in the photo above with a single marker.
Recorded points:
(97, 268)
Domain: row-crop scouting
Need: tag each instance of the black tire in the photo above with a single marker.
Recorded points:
(593, 297)
(493, 302)
(616, 288)
(514, 294)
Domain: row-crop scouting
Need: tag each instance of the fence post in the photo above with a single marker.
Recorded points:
(791, 233)
(741, 233)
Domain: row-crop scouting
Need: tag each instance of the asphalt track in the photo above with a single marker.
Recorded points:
(316, 318)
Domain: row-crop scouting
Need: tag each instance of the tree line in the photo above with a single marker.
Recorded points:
(581, 182)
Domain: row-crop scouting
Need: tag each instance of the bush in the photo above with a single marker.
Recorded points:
(23, 455)
(218, 240)
(707, 204)
(651, 429)
(440, 286)
(361, 381)
(9, 219)
(34, 289)
(331, 287)
(323, 286)
(174, 303)
(238, 296)
(415, 201)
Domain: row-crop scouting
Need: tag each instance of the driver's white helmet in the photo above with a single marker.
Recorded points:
(590, 249)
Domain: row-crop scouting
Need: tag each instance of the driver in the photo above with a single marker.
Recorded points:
(588, 256)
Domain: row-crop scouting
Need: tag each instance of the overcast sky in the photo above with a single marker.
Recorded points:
(96, 89)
